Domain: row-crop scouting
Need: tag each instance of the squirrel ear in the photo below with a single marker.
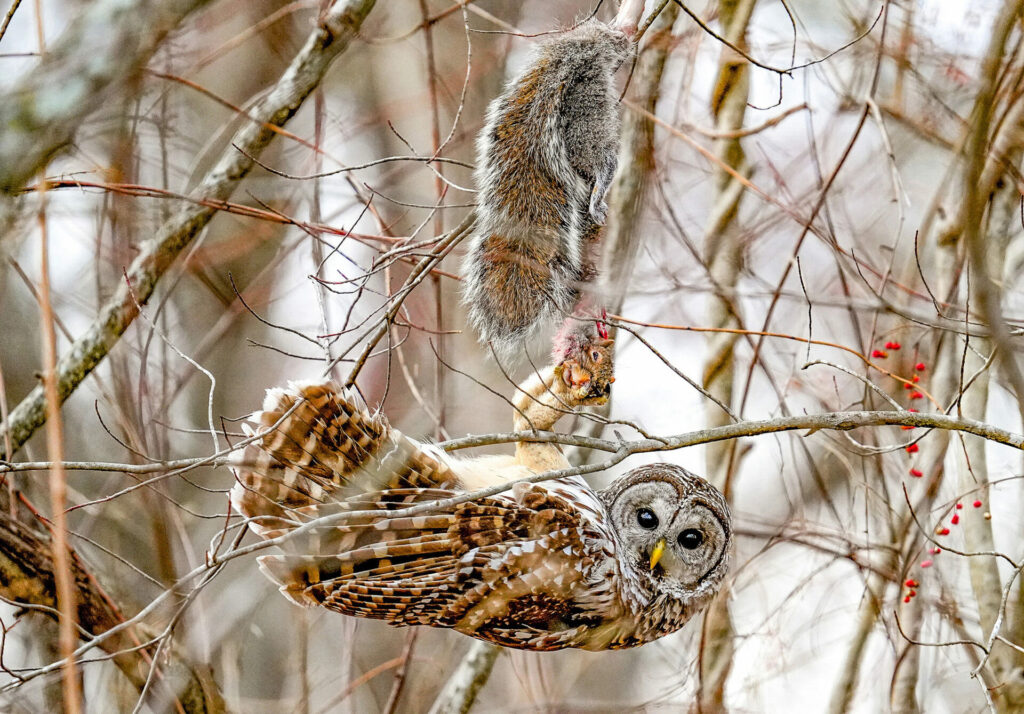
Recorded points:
(559, 369)
(604, 343)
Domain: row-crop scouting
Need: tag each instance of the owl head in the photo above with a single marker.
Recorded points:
(674, 529)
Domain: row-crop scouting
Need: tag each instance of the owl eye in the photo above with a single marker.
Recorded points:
(646, 518)
(691, 539)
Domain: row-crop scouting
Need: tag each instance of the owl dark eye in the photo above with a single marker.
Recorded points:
(691, 538)
(646, 518)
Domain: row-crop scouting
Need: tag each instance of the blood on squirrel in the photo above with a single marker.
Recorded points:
(546, 158)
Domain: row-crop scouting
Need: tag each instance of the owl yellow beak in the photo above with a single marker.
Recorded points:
(659, 550)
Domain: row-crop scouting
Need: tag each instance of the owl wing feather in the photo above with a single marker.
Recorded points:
(320, 442)
(505, 569)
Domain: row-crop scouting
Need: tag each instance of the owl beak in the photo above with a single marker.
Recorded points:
(659, 550)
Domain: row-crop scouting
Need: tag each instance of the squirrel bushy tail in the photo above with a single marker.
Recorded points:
(546, 157)
(546, 150)
(512, 286)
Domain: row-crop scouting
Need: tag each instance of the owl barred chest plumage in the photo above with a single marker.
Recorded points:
(541, 566)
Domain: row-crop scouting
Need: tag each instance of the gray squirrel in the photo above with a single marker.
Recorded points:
(546, 158)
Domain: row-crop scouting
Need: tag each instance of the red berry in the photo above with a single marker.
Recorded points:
(894, 345)
(913, 449)
(915, 379)
(926, 563)
(908, 385)
(935, 551)
(955, 519)
(944, 531)
(911, 583)
(916, 473)
(912, 593)
(906, 599)
(919, 366)
(916, 395)
(911, 409)
(959, 506)
(879, 354)
(976, 504)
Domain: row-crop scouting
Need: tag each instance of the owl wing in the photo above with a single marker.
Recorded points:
(319, 443)
(507, 569)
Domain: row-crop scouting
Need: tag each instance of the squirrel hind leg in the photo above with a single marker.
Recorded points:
(628, 18)
(603, 182)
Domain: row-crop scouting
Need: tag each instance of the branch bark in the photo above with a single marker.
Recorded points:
(27, 576)
(105, 45)
(985, 249)
(332, 35)
(867, 617)
(987, 292)
(972, 461)
(723, 255)
(472, 674)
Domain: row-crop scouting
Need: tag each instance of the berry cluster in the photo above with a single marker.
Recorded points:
(911, 584)
(908, 385)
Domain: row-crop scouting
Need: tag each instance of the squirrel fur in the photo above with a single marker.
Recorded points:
(546, 158)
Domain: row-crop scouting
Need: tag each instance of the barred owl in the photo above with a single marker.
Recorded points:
(543, 566)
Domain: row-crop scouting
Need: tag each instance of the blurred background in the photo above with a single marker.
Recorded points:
(791, 231)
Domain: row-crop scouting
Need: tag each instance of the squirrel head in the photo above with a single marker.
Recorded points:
(584, 363)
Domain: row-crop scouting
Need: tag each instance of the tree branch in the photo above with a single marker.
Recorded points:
(461, 689)
(328, 39)
(987, 292)
(108, 42)
(27, 576)
(830, 421)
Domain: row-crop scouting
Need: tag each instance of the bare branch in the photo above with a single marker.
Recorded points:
(329, 38)
(102, 48)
